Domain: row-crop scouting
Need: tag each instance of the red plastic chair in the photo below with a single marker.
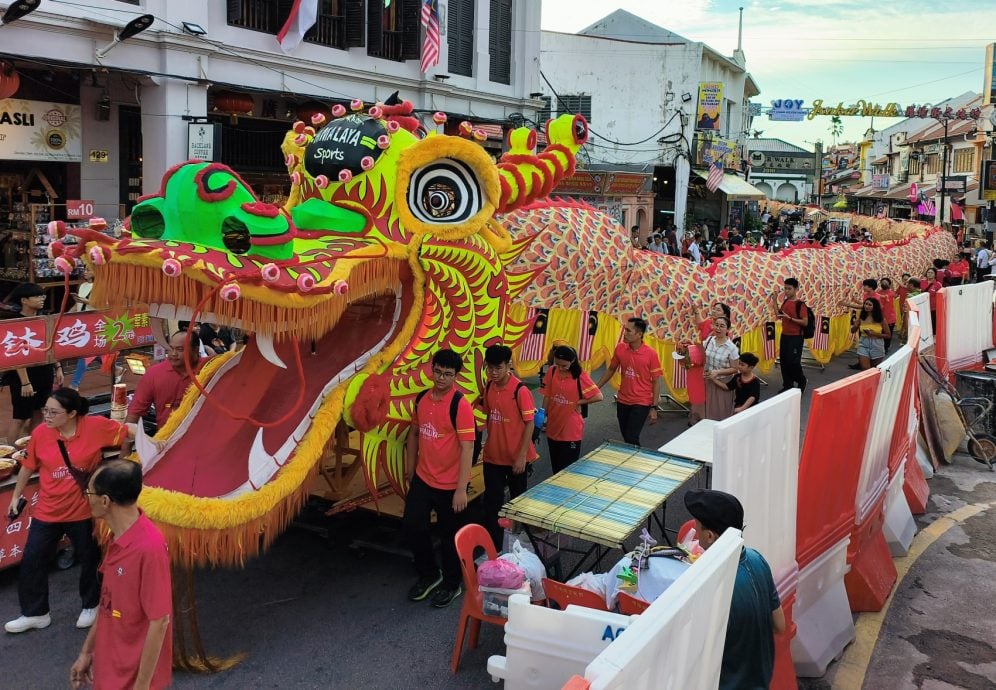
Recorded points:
(468, 540)
(564, 595)
(685, 529)
(630, 605)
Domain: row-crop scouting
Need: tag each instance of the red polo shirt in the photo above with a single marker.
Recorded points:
(639, 368)
(508, 413)
(564, 421)
(136, 589)
(60, 498)
(438, 442)
(163, 386)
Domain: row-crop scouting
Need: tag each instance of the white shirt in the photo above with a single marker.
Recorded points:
(693, 249)
(982, 257)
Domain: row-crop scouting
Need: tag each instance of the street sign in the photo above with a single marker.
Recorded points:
(79, 209)
(989, 180)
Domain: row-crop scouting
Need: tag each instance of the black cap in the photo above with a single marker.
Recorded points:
(716, 510)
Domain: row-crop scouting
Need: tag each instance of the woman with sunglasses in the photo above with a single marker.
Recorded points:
(566, 390)
(64, 450)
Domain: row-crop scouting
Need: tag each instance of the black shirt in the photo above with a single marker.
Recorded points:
(750, 389)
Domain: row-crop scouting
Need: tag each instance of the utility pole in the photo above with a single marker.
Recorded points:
(944, 174)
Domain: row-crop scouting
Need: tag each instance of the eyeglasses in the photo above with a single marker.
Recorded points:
(87, 492)
(49, 412)
(494, 367)
(440, 374)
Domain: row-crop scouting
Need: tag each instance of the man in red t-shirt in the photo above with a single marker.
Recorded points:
(437, 464)
(165, 384)
(509, 409)
(640, 388)
(131, 643)
(794, 315)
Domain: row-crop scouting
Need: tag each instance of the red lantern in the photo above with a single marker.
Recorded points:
(10, 82)
(305, 111)
(233, 103)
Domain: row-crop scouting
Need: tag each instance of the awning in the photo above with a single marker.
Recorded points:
(735, 188)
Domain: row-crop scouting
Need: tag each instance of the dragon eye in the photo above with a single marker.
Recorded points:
(445, 191)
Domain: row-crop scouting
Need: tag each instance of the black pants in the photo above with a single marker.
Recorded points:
(496, 478)
(790, 361)
(631, 420)
(421, 500)
(892, 332)
(32, 580)
(563, 453)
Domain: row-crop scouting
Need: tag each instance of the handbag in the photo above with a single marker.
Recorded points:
(81, 477)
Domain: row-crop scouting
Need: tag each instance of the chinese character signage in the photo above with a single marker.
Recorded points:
(89, 333)
(937, 112)
(22, 343)
(14, 533)
(708, 115)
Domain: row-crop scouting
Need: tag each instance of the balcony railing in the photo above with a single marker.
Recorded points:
(257, 15)
(390, 46)
(328, 31)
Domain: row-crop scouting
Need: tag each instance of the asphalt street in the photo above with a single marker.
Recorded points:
(318, 612)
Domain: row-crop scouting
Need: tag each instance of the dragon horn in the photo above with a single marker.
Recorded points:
(525, 176)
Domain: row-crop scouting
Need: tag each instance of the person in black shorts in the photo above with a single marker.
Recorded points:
(31, 386)
(746, 386)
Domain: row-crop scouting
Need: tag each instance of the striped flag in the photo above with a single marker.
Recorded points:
(821, 339)
(430, 47)
(679, 377)
(769, 340)
(303, 15)
(588, 331)
(534, 346)
(715, 176)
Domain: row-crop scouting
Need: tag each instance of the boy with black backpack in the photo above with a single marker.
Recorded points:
(798, 324)
(508, 449)
(438, 458)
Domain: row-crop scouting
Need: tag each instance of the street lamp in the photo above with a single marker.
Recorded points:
(132, 28)
(19, 9)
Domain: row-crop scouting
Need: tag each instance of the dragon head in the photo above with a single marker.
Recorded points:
(386, 250)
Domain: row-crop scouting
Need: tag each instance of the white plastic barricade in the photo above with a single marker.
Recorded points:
(921, 303)
(677, 643)
(546, 647)
(968, 328)
(874, 477)
(900, 527)
(822, 614)
(756, 458)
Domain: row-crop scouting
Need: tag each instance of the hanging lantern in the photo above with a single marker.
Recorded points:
(10, 82)
(306, 111)
(233, 103)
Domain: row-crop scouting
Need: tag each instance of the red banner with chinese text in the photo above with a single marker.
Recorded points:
(22, 342)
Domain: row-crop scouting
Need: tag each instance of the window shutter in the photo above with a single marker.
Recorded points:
(500, 41)
(411, 35)
(375, 21)
(584, 107)
(460, 36)
(547, 112)
(234, 11)
(352, 11)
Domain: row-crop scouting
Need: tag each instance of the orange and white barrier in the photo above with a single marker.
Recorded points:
(964, 325)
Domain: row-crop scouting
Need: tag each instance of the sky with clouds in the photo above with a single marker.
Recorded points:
(835, 50)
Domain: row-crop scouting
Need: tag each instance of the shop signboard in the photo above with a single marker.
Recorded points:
(203, 141)
(581, 182)
(780, 162)
(861, 108)
(989, 88)
(787, 110)
(22, 343)
(708, 115)
(989, 180)
(954, 184)
(40, 131)
(626, 184)
(880, 181)
(90, 333)
(79, 209)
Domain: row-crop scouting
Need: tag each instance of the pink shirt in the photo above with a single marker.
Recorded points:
(136, 589)
(563, 419)
(639, 369)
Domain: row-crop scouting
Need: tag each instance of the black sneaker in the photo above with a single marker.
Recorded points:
(442, 598)
(854, 366)
(421, 589)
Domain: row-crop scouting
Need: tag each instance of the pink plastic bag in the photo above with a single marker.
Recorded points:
(500, 574)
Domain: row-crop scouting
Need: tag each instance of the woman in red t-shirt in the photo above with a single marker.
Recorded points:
(566, 388)
(930, 283)
(887, 298)
(62, 508)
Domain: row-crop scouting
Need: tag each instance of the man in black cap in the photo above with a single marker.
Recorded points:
(755, 610)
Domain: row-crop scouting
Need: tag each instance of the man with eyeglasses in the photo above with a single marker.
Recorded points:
(437, 465)
(164, 384)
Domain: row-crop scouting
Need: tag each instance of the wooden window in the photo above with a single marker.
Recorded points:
(500, 41)
(394, 29)
(930, 166)
(964, 160)
(575, 104)
(267, 16)
(460, 36)
(914, 165)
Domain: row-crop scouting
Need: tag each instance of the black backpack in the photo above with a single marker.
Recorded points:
(454, 406)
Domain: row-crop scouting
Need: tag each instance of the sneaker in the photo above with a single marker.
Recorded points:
(23, 623)
(442, 598)
(421, 589)
(87, 618)
(856, 367)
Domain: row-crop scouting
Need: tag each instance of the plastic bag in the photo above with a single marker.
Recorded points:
(532, 566)
(593, 582)
(501, 574)
(691, 546)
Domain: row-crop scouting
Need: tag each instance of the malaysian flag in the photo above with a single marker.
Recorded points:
(679, 376)
(715, 176)
(534, 346)
(588, 331)
(821, 339)
(430, 47)
(769, 340)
